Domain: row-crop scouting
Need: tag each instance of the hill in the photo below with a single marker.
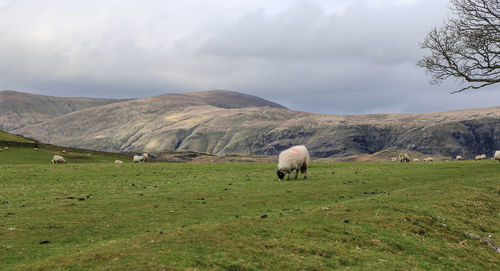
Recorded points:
(231, 99)
(19, 109)
(8, 137)
(189, 122)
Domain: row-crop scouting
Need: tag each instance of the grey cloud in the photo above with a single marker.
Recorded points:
(358, 57)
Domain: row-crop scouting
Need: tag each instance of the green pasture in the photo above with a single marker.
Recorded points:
(4, 136)
(28, 155)
(237, 216)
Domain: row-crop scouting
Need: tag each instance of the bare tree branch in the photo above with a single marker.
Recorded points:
(467, 46)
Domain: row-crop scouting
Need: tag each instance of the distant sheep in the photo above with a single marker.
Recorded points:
(416, 160)
(459, 157)
(497, 156)
(37, 149)
(138, 158)
(118, 161)
(483, 156)
(393, 159)
(428, 159)
(145, 157)
(404, 157)
(5, 148)
(478, 157)
(58, 159)
(295, 158)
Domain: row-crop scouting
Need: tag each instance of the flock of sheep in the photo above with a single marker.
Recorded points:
(404, 157)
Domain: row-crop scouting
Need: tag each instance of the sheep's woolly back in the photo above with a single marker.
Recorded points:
(293, 158)
(138, 158)
(497, 155)
(58, 159)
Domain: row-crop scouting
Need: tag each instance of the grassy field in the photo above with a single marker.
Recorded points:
(236, 216)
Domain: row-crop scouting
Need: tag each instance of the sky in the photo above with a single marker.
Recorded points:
(322, 56)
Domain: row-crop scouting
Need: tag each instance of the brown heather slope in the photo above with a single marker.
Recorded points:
(188, 122)
(19, 109)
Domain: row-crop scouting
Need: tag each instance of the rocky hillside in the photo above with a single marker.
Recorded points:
(229, 122)
(19, 109)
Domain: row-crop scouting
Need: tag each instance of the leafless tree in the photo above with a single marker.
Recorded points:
(467, 46)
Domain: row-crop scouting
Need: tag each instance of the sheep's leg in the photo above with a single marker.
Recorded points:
(296, 173)
(303, 170)
(288, 178)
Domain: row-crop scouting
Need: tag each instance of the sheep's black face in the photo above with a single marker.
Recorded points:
(281, 175)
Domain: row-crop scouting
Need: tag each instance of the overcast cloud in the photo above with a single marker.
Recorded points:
(337, 57)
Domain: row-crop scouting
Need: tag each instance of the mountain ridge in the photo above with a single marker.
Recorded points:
(188, 122)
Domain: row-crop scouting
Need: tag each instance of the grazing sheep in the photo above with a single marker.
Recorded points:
(393, 159)
(296, 158)
(37, 149)
(64, 151)
(58, 159)
(5, 148)
(138, 158)
(404, 157)
(483, 156)
(459, 157)
(118, 161)
(416, 160)
(145, 157)
(428, 159)
(478, 157)
(497, 156)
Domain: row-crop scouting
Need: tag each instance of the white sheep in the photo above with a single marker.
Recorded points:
(6, 148)
(497, 156)
(58, 159)
(295, 158)
(459, 157)
(393, 159)
(483, 156)
(404, 157)
(138, 158)
(145, 157)
(478, 157)
(428, 159)
(118, 161)
(416, 160)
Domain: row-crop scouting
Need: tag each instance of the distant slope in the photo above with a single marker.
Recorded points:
(231, 99)
(189, 122)
(4, 136)
(19, 109)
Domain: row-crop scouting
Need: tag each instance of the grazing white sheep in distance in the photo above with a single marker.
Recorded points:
(404, 157)
(497, 156)
(138, 158)
(428, 159)
(58, 159)
(416, 160)
(483, 156)
(145, 157)
(478, 157)
(118, 161)
(295, 158)
(459, 157)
